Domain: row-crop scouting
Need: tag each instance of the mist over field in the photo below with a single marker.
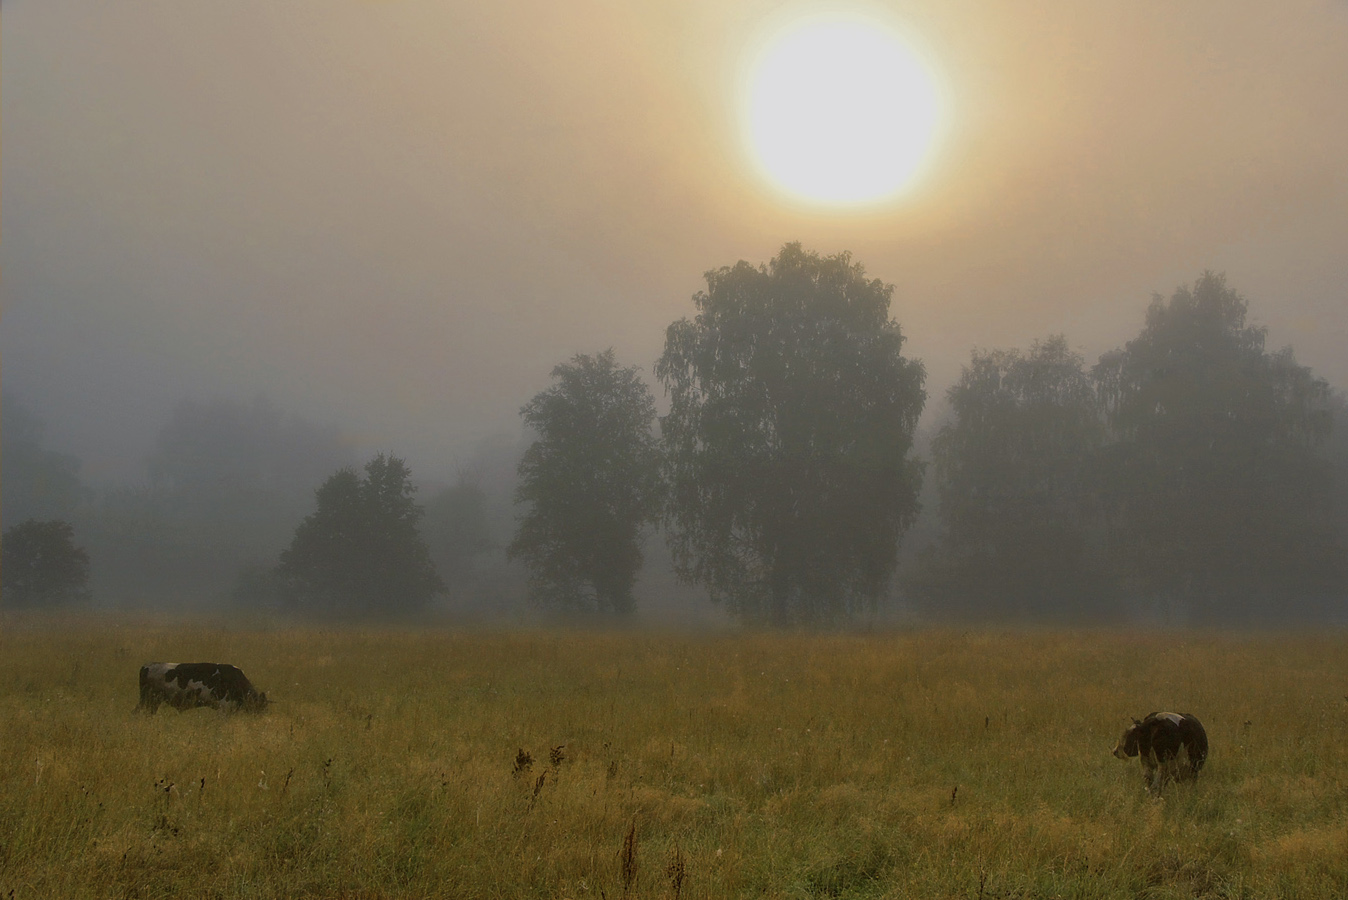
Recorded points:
(249, 247)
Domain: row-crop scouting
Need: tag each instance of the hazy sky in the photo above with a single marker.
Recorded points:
(398, 216)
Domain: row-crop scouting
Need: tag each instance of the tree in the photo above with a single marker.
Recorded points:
(1014, 469)
(590, 483)
(35, 482)
(41, 566)
(788, 437)
(1218, 502)
(360, 552)
(456, 531)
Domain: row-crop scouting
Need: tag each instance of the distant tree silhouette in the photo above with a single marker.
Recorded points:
(360, 553)
(456, 532)
(35, 482)
(590, 483)
(1015, 474)
(1219, 502)
(787, 441)
(41, 567)
(1335, 452)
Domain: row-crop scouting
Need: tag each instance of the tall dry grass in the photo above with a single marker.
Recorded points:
(611, 765)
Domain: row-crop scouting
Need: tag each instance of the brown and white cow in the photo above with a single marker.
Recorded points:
(1173, 747)
(190, 685)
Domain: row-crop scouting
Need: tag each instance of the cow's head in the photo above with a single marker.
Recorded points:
(1127, 745)
(256, 701)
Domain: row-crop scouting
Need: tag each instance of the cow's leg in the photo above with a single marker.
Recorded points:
(1184, 765)
(1151, 771)
(149, 702)
(1194, 756)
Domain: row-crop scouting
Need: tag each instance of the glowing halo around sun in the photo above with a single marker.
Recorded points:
(838, 110)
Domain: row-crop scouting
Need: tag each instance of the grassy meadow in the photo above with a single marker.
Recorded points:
(664, 765)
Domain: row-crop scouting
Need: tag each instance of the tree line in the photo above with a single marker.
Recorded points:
(1190, 475)
(225, 485)
(1187, 476)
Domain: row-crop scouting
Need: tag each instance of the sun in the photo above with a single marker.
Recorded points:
(838, 110)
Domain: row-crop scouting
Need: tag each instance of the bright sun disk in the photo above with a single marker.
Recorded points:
(840, 111)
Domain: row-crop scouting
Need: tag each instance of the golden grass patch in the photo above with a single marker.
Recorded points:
(933, 764)
(1322, 849)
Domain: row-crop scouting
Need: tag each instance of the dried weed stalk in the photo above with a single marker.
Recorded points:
(538, 787)
(628, 859)
(676, 870)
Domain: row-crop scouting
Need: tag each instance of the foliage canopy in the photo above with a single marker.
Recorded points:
(1187, 473)
(1014, 469)
(1216, 495)
(787, 441)
(360, 553)
(590, 482)
(41, 566)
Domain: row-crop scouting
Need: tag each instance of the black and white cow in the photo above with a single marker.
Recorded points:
(189, 685)
(1173, 747)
